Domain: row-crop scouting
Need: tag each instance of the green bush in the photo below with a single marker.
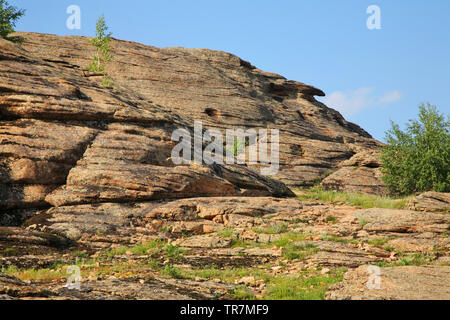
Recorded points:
(103, 55)
(418, 159)
(8, 18)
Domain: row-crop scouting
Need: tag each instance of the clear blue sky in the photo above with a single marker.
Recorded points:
(371, 76)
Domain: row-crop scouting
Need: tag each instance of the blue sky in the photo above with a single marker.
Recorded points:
(371, 76)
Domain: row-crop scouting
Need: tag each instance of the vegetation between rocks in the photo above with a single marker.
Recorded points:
(103, 54)
(416, 259)
(306, 285)
(354, 199)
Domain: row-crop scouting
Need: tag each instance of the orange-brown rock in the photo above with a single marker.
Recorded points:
(397, 283)
(361, 173)
(68, 141)
(85, 169)
(61, 129)
(431, 201)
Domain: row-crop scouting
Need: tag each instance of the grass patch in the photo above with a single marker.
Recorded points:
(150, 248)
(284, 239)
(289, 237)
(378, 242)
(417, 259)
(299, 220)
(228, 275)
(275, 228)
(10, 251)
(57, 271)
(303, 287)
(243, 293)
(330, 219)
(227, 233)
(239, 243)
(107, 81)
(363, 222)
(299, 251)
(104, 265)
(174, 252)
(353, 199)
(334, 238)
(173, 272)
(306, 285)
(80, 254)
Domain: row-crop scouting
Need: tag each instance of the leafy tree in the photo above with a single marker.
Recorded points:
(418, 159)
(8, 18)
(103, 55)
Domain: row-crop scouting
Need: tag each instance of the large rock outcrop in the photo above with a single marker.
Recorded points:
(86, 169)
(67, 140)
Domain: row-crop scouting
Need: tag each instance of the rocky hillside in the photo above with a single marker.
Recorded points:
(85, 170)
(63, 133)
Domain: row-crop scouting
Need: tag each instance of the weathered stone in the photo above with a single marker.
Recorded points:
(262, 252)
(132, 183)
(115, 289)
(19, 236)
(431, 201)
(397, 283)
(419, 244)
(30, 248)
(338, 254)
(100, 223)
(401, 221)
(361, 173)
(204, 241)
(202, 226)
(210, 208)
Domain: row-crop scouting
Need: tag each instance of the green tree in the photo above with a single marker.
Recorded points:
(418, 159)
(8, 18)
(103, 54)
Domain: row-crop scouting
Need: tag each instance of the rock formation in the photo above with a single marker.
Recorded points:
(67, 140)
(430, 201)
(361, 173)
(87, 168)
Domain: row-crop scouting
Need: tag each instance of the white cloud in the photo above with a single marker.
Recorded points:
(391, 96)
(351, 102)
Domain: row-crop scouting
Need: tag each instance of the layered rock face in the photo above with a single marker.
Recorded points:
(430, 201)
(86, 169)
(67, 140)
(361, 173)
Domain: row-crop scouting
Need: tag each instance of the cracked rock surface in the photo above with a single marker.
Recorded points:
(87, 179)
